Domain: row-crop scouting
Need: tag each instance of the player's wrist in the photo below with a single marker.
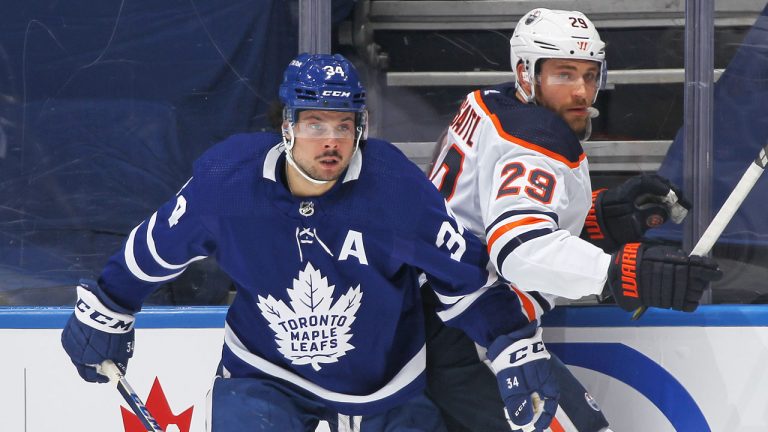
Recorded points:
(596, 230)
(96, 310)
(516, 348)
(623, 276)
(105, 297)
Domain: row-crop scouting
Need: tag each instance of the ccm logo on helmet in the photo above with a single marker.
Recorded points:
(336, 93)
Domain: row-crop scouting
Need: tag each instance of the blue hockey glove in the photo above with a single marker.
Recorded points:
(98, 330)
(624, 213)
(523, 370)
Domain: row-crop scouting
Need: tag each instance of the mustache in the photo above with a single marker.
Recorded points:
(580, 103)
(330, 153)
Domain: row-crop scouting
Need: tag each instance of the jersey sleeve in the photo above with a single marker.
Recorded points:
(159, 249)
(455, 262)
(533, 208)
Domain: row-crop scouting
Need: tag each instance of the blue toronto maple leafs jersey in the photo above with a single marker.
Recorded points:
(327, 287)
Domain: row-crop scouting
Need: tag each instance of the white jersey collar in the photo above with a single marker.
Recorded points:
(355, 165)
(269, 170)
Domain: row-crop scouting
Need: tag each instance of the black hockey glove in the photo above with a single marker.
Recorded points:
(659, 276)
(624, 213)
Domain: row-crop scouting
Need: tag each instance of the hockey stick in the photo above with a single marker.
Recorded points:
(726, 212)
(109, 369)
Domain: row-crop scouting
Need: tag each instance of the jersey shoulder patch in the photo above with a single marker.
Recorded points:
(529, 125)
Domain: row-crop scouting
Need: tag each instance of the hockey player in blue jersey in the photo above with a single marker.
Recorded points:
(514, 172)
(325, 234)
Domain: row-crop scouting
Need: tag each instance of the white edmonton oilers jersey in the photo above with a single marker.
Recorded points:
(328, 294)
(516, 175)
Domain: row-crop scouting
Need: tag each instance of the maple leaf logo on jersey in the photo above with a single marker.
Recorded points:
(313, 329)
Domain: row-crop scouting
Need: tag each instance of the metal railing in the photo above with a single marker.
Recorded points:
(486, 78)
(504, 14)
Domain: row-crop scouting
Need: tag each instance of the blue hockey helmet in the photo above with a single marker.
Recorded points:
(322, 82)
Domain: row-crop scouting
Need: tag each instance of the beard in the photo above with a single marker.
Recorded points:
(313, 169)
(577, 124)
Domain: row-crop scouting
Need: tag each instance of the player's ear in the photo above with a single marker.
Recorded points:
(522, 77)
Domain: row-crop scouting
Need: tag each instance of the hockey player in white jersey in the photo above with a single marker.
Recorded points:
(514, 172)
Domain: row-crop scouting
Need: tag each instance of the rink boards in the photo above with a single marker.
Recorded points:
(684, 372)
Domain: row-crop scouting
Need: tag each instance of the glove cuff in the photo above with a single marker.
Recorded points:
(594, 230)
(91, 311)
(623, 278)
(511, 350)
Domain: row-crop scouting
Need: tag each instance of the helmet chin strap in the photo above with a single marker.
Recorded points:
(592, 113)
(529, 78)
(529, 98)
(288, 143)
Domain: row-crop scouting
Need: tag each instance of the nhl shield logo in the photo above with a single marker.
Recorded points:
(591, 401)
(532, 17)
(307, 208)
(312, 329)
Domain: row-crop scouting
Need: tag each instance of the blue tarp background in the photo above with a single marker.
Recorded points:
(104, 104)
(740, 124)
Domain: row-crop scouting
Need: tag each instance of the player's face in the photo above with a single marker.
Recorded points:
(324, 143)
(568, 88)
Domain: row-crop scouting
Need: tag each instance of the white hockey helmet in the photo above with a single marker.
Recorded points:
(544, 33)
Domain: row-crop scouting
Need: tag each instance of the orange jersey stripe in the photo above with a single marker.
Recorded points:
(504, 228)
(555, 426)
(523, 143)
(530, 310)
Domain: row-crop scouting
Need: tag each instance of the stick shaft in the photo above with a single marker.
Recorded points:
(726, 212)
(111, 370)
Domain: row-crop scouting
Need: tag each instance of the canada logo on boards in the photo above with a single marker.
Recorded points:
(158, 406)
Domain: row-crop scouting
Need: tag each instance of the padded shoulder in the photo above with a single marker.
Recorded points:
(228, 156)
(392, 187)
(228, 174)
(529, 125)
(383, 158)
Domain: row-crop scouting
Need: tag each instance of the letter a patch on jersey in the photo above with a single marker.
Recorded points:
(353, 246)
(312, 329)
